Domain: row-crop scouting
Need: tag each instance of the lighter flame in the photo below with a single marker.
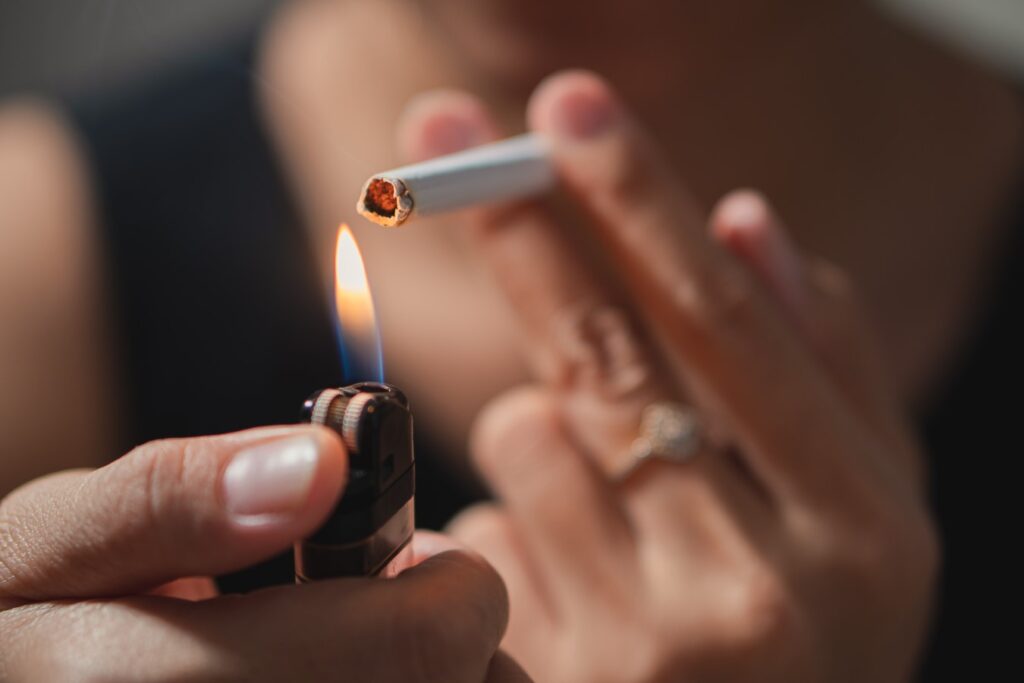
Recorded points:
(359, 338)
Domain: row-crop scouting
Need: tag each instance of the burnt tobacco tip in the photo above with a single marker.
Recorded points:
(380, 198)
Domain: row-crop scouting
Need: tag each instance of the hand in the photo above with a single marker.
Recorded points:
(94, 567)
(796, 546)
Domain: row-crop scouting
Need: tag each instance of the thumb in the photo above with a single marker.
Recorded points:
(168, 509)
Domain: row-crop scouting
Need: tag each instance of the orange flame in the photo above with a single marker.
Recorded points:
(358, 335)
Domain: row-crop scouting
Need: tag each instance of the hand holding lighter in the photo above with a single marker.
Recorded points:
(370, 529)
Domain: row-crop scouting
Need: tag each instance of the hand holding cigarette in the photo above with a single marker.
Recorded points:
(96, 575)
(710, 479)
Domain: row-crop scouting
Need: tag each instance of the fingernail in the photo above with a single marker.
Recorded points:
(749, 211)
(271, 479)
(745, 209)
(584, 113)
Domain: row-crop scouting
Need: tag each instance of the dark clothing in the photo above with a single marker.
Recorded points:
(223, 324)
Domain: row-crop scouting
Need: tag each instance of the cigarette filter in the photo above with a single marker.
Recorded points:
(511, 169)
(370, 529)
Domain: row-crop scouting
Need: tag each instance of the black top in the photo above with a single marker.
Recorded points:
(223, 326)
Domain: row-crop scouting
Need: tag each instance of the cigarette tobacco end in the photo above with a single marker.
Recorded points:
(385, 201)
(381, 197)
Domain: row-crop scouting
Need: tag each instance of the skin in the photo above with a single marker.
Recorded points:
(797, 546)
(919, 172)
(124, 545)
(919, 185)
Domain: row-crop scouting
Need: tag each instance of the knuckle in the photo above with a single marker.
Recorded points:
(173, 477)
(510, 430)
(841, 310)
(716, 298)
(762, 612)
(843, 551)
(599, 348)
(160, 469)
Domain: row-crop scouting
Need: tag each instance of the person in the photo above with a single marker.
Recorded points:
(840, 117)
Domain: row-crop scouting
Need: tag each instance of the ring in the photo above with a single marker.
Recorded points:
(668, 431)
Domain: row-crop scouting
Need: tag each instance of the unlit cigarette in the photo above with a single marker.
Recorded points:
(511, 169)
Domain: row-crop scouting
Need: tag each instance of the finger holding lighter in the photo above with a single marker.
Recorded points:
(116, 551)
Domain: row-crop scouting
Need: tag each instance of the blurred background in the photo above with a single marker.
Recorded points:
(82, 44)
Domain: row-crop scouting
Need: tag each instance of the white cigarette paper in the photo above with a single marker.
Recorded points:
(515, 168)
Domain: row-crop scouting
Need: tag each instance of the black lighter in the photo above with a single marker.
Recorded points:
(370, 529)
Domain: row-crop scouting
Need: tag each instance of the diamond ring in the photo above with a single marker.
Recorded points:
(668, 431)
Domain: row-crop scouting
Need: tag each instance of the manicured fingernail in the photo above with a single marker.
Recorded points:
(584, 113)
(779, 261)
(745, 209)
(271, 479)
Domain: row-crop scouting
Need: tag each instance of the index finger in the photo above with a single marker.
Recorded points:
(736, 352)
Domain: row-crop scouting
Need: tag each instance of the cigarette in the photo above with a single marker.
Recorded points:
(515, 168)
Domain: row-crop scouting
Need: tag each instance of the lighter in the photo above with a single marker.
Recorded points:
(370, 529)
